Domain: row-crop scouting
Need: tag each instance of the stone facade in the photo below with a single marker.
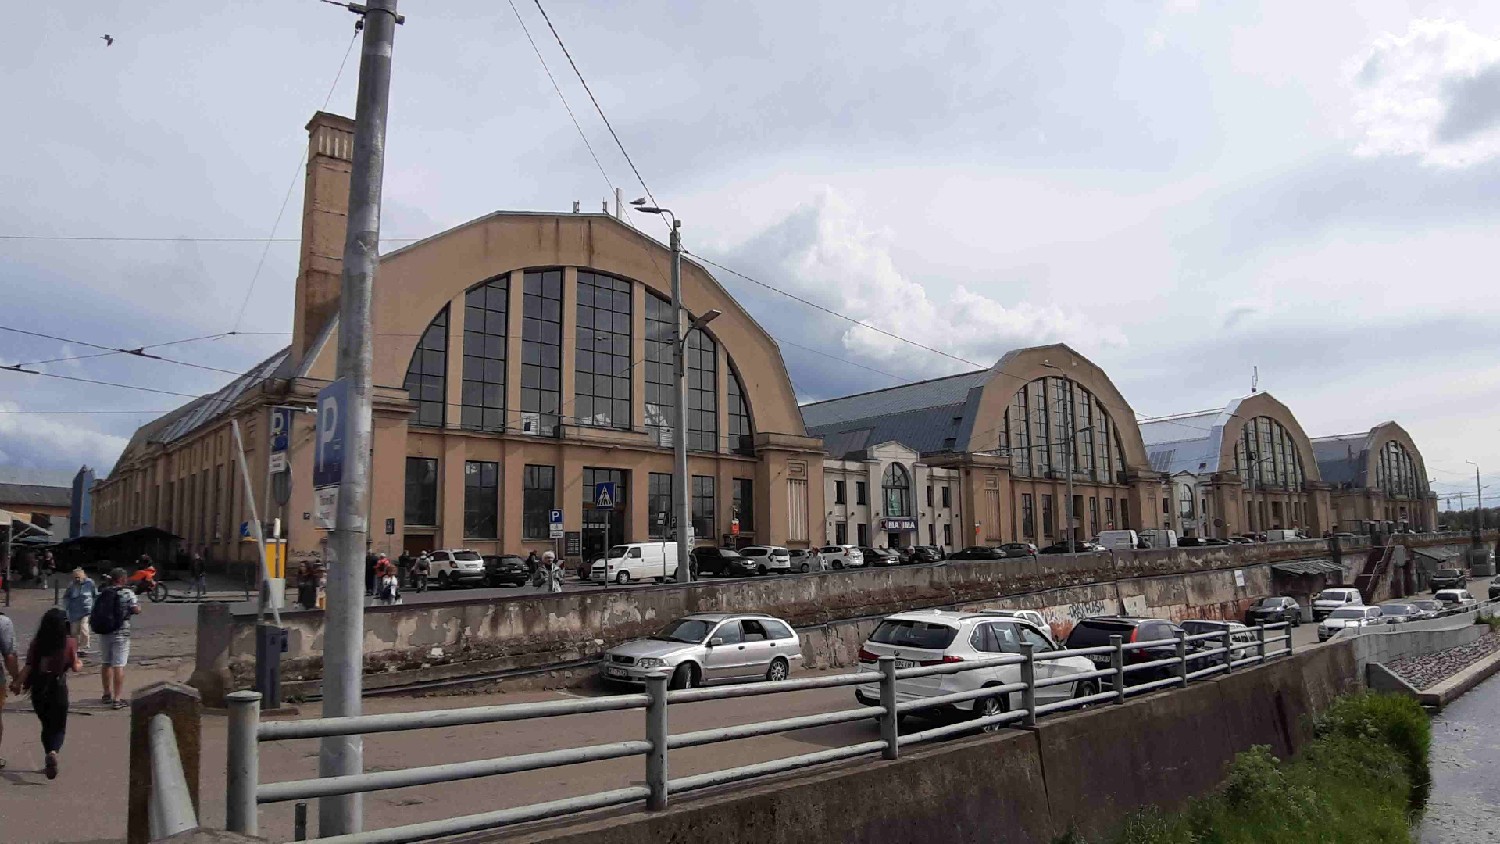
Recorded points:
(885, 496)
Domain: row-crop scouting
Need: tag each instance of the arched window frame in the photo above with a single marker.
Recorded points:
(896, 491)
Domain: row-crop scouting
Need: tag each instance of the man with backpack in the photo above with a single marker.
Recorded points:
(110, 621)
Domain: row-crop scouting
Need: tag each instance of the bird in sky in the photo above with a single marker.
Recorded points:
(109, 40)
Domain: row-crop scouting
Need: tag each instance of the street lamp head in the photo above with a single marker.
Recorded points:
(639, 201)
(707, 317)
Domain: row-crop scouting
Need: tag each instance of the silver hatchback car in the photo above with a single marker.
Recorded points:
(709, 648)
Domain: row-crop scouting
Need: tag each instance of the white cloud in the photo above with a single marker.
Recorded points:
(1433, 93)
(38, 441)
(825, 252)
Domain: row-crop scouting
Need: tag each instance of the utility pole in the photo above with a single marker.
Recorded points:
(1478, 506)
(680, 500)
(344, 628)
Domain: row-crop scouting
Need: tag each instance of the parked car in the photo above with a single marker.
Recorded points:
(1190, 542)
(1331, 599)
(709, 648)
(842, 556)
(1213, 540)
(768, 558)
(456, 566)
(930, 637)
(1241, 540)
(1399, 612)
(1161, 634)
(928, 554)
(1273, 610)
(1079, 547)
(636, 561)
(1449, 579)
(1243, 639)
(1428, 608)
(1455, 599)
(805, 560)
(978, 552)
(505, 570)
(1495, 590)
(1352, 616)
(880, 556)
(1019, 549)
(1032, 616)
(721, 562)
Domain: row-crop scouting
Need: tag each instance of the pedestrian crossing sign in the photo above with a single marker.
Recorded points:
(604, 495)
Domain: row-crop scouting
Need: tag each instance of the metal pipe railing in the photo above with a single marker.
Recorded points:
(170, 809)
(244, 791)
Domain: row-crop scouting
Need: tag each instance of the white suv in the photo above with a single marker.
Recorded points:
(453, 566)
(842, 556)
(768, 558)
(1331, 599)
(929, 637)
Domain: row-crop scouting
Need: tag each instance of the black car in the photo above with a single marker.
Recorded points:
(1274, 610)
(1078, 548)
(1189, 541)
(1161, 636)
(880, 556)
(1210, 540)
(978, 552)
(927, 554)
(1019, 549)
(1399, 612)
(1449, 579)
(505, 570)
(721, 562)
(1495, 590)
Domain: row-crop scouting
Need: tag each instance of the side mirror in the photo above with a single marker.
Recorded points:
(715, 642)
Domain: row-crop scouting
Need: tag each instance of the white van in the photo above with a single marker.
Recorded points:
(1159, 538)
(637, 561)
(1119, 540)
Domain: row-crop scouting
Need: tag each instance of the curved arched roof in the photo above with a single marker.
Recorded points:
(1203, 442)
(1349, 459)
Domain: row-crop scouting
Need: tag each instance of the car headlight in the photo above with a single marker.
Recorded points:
(648, 662)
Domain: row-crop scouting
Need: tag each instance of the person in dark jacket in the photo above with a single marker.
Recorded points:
(53, 653)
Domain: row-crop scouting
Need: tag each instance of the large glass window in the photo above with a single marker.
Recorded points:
(703, 392)
(1396, 473)
(1037, 428)
(659, 397)
(426, 375)
(744, 503)
(1109, 514)
(1265, 456)
(481, 498)
(421, 490)
(1028, 516)
(741, 435)
(839, 494)
(861, 494)
(602, 388)
(1047, 519)
(483, 399)
(1018, 435)
(897, 491)
(703, 506)
(541, 352)
(538, 499)
(659, 504)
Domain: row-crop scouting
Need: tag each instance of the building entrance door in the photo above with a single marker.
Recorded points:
(893, 539)
(416, 543)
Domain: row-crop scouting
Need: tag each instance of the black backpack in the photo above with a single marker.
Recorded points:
(108, 615)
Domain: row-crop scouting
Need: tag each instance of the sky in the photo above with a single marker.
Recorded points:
(1187, 194)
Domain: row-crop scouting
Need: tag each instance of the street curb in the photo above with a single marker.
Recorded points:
(1454, 687)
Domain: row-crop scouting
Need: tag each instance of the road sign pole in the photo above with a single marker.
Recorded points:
(344, 627)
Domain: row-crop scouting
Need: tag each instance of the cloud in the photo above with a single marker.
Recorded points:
(1431, 93)
(823, 251)
(33, 443)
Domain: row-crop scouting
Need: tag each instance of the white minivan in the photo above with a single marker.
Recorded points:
(1159, 538)
(637, 561)
(1119, 540)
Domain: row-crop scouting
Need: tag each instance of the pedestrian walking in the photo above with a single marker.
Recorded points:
(12, 669)
(388, 586)
(420, 569)
(199, 569)
(78, 602)
(111, 621)
(403, 567)
(554, 572)
(53, 653)
(370, 561)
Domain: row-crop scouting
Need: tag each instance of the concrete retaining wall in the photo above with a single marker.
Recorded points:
(1083, 771)
(1419, 638)
(834, 611)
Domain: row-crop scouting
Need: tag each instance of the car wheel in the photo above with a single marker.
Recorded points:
(988, 706)
(443, 580)
(838, 565)
(685, 677)
(806, 568)
(622, 578)
(778, 671)
(1085, 688)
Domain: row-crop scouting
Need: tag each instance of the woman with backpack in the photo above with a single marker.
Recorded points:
(53, 653)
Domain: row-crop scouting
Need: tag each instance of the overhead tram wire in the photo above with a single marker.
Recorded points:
(138, 351)
(102, 383)
(571, 116)
(286, 198)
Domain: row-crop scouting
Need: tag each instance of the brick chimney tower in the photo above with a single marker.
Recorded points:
(325, 218)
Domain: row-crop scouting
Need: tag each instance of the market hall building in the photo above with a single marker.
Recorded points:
(519, 359)
(1004, 439)
(1377, 476)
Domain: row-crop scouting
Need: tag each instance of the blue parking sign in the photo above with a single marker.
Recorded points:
(328, 451)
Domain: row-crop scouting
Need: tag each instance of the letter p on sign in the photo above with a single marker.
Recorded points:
(328, 455)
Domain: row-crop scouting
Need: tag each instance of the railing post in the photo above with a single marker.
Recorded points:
(1182, 663)
(243, 773)
(1117, 661)
(1028, 676)
(299, 821)
(656, 736)
(889, 731)
(1260, 642)
(1228, 639)
(1289, 639)
(183, 706)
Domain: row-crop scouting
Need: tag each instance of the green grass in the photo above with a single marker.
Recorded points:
(1361, 781)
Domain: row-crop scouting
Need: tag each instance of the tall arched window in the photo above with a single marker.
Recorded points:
(1265, 456)
(741, 434)
(702, 380)
(486, 308)
(1396, 472)
(426, 375)
(602, 386)
(1049, 416)
(897, 488)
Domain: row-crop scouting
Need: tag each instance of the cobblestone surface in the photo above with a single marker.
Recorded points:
(1424, 672)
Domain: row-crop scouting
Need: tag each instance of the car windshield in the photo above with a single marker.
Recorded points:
(1194, 628)
(1427, 605)
(618, 551)
(691, 630)
(1348, 613)
(1270, 603)
(1332, 595)
(755, 552)
(1397, 609)
(914, 634)
(1448, 572)
(467, 556)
